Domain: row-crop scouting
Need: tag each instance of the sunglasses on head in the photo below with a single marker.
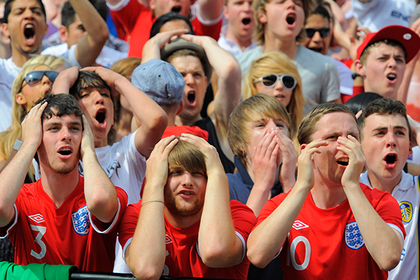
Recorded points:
(324, 32)
(288, 81)
(34, 77)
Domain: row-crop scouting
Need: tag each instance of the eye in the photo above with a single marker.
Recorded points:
(380, 133)
(197, 174)
(400, 132)
(76, 128)
(332, 137)
(280, 125)
(298, 3)
(52, 128)
(105, 94)
(198, 75)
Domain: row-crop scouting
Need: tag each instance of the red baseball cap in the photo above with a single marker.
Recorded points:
(407, 37)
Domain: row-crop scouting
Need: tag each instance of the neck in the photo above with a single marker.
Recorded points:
(180, 221)
(123, 127)
(327, 195)
(288, 47)
(386, 185)
(19, 57)
(59, 186)
(243, 43)
(183, 121)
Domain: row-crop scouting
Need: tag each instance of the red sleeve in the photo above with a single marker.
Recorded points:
(127, 16)
(128, 223)
(243, 218)
(269, 207)
(212, 30)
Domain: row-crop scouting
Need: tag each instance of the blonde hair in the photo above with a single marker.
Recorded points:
(279, 63)
(259, 7)
(8, 137)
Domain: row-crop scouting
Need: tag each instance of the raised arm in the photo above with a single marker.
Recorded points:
(13, 175)
(145, 256)
(218, 244)
(151, 116)
(384, 243)
(90, 46)
(100, 193)
(268, 237)
(228, 71)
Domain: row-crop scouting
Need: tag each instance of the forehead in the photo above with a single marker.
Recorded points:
(62, 119)
(174, 24)
(379, 120)
(386, 48)
(24, 3)
(316, 21)
(338, 122)
(187, 62)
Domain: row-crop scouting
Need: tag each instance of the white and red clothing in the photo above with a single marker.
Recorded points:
(137, 21)
(182, 258)
(327, 243)
(42, 233)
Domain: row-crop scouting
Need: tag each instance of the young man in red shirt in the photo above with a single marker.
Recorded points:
(63, 218)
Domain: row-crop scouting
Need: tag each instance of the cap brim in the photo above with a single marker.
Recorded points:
(181, 44)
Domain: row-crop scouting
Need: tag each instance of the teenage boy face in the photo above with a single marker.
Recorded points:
(384, 70)
(386, 146)
(161, 7)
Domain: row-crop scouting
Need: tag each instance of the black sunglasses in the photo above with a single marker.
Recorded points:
(288, 81)
(324, 32)
(34, 77)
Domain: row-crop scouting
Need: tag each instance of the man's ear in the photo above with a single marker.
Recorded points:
(63, 33)
(152, 5)
(302, 147)
(21, 99)
(180, 107)
(225, 13)
(360, 68)
(5, 28)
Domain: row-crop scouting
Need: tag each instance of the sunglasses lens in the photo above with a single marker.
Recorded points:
(269, 80)
(310, 32)
(325, 32)
(288, 82)
(52, 75)
(34, 77)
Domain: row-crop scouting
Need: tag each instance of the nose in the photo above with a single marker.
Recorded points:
(247, 6)
(271, 124)
(46, 80)
(189, 79)
(66, 135)
(99, 99)
(392, 63)
(187, 179)
(391, 140)
(317, 36)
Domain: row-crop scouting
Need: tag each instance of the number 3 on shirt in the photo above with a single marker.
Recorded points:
(38, 240)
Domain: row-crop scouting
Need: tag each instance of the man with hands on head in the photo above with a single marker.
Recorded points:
(185, 226)
(62, 218)
(329, 225)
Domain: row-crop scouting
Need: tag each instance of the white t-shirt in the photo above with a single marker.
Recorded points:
(407, 195)
(232, 46)
(376, 14)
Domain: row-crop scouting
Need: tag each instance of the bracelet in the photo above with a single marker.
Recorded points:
(150, 201)
(17, 145)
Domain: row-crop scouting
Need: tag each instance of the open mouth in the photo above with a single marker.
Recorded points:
(100, 116)
(246, 21)
(191, 97)
(290, 19)
(391, 77)
(29, 31)
(343, 162)
(65, 151)
(390, 159)
(316, 49)
(176, 9)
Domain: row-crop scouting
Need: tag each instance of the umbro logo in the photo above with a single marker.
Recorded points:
(37, 218)
(297, 225)
(168, 239)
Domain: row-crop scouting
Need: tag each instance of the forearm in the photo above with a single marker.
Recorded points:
(11, 181)
(259, 195)
(146, 254)
(403, 89)
(381, 240)
(100, 192)
(218, 244)
(267, 239)
(151, 50)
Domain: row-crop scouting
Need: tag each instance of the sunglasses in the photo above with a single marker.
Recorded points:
(34, 77)
(288, 81)
(324, 32)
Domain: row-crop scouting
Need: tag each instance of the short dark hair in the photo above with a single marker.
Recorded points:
(383, 106)
(322, 11)
(68, 14)
(359, 101)
(166, 18)
(87, 79)
(8, 10)
(64, 104)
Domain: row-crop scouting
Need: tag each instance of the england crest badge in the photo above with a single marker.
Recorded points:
(353, 237)
(80, 220)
